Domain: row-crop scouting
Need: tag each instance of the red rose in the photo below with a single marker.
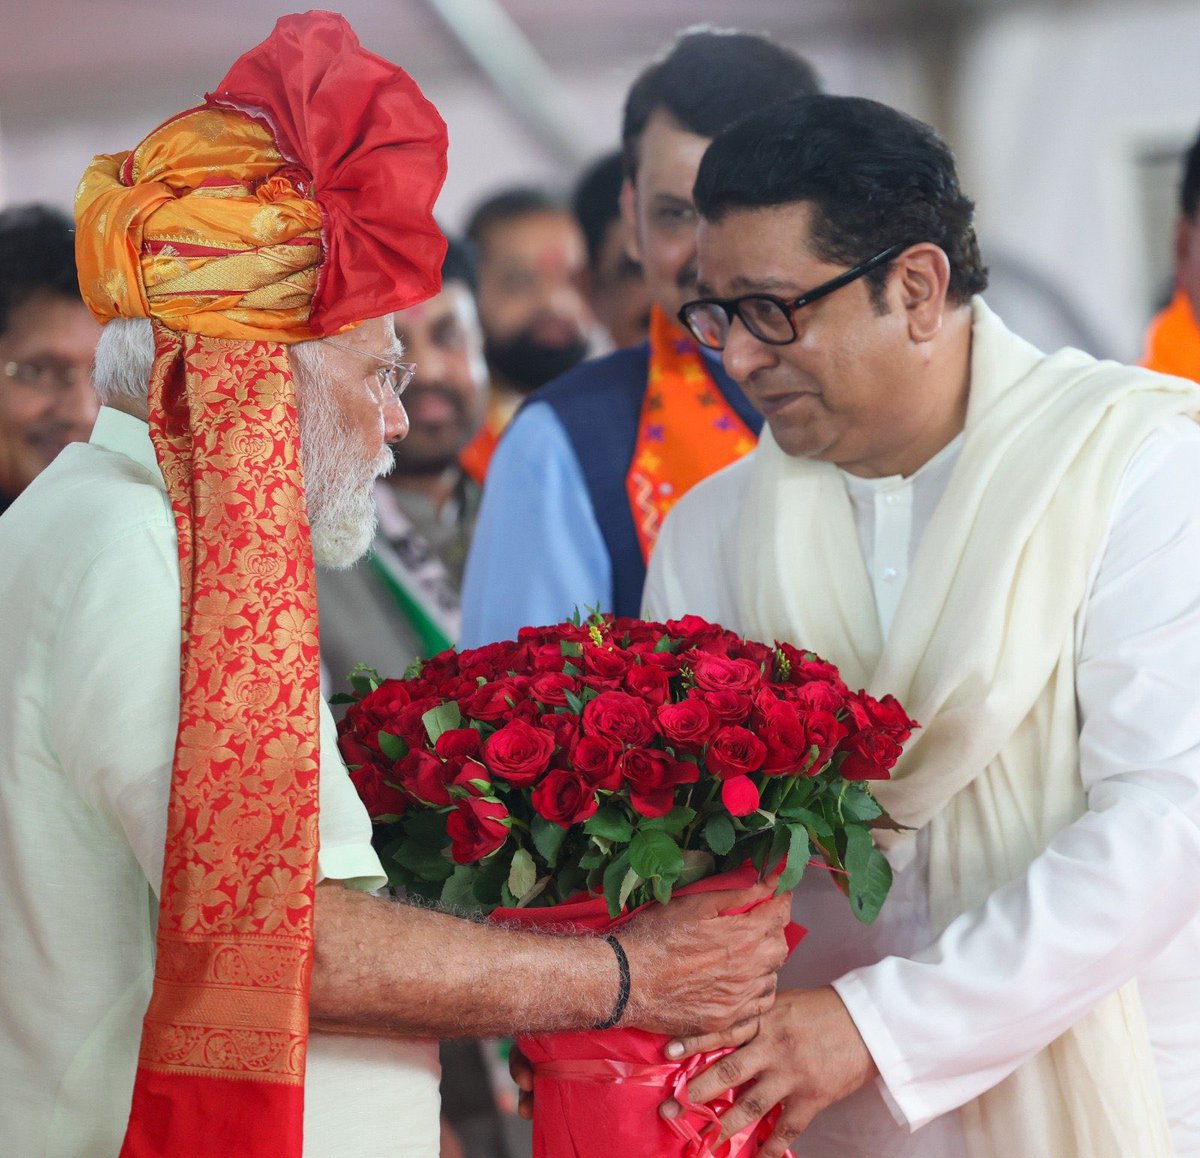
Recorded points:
(563, 798)
(566, 730)
(740, 796)
(495, 701)
(868, 755)
(425, 776)
(715, 673)
(735, 751)
(519, 752)
(688, 724)
(652, 777)
(651, 684)
(595, 759)
(728, 707)
(605, 665)
(551, 687)
(620, 717)
(824, 731)
(476, 827)
(379, 797)
(783, 734)
(458, 742)
(887, 715)
(820, 695)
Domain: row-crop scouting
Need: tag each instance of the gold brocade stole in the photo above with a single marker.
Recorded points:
(235, 931)
(687, 430)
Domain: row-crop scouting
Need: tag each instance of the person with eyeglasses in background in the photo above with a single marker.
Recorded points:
(1008, 541)
(47, 339)
(579, 485)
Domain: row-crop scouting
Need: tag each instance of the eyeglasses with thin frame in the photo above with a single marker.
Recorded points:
(44, 377)
(395, 376)
(769, 318)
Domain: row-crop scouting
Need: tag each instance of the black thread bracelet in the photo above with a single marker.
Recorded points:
(623, 996)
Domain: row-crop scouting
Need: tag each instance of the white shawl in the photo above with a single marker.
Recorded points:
(982, 653)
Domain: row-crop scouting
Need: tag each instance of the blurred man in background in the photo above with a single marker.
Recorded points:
(585, 474)
(535, 319)
(401, 601)
(1173, 340)
(47, 338)
(613, 280)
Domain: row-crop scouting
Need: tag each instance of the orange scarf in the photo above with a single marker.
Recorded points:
(1173, 341)
(294, 204)
(686, 432)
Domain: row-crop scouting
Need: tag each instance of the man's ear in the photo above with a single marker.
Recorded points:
(919, 283)
(628, 203)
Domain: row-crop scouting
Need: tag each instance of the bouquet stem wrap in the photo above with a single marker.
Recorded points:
(597, 1092)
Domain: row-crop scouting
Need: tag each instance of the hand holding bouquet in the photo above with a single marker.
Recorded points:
(586, 769)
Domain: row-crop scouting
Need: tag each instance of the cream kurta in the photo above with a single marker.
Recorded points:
(89, 703)
(1114, 896)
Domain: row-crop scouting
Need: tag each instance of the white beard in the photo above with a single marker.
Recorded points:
(338, 486)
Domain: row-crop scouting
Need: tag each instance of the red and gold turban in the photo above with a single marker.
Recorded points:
(296, 202)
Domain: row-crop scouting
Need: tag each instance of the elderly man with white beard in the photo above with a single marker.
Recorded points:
(189, 960)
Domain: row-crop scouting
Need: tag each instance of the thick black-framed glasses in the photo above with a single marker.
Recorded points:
(768, 318)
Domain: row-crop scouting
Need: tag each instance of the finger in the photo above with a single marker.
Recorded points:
(521, 1069)
(735, 1035)
(792, 1123)
(751, 1105)
(731, 1070)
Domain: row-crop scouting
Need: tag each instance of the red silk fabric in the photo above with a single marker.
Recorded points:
(597, 1093)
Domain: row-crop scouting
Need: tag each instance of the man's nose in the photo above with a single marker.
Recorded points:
(395, 420)
(744, 353)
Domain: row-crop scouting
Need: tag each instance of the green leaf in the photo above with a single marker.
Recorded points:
(665, 643)
(631, 882)
(364, 680)
(614, 875)
(574, 703)
(719, 834)
(458, 893)
(426, 863)
(870, 875)
(674, 822)
(655, 854)
(522, 873)
(610, 823)
(539, 887)
(444, 718)
(414, 669)
(696, 866)
(663, 887)
(547, 839)
(342, 698)
(391, 746)
(857, 803)
(490, 877)
(817, 825)
(797, 858)
(570, 647)
(594, 857)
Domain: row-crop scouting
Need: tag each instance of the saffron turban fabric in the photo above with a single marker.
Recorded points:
(295, 203)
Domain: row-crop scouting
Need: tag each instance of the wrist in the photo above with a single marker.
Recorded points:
(623, 984)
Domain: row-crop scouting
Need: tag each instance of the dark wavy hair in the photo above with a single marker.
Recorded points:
(37, 255)
(707, 79)
(874, 177)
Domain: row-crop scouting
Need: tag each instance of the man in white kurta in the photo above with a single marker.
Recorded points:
(89, 697)
(1023, 559)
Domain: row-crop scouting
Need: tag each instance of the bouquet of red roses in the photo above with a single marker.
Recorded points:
(588, 768)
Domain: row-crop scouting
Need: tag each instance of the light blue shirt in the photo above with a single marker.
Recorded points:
(538, 553)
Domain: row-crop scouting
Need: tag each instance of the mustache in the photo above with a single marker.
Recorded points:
(453, 398)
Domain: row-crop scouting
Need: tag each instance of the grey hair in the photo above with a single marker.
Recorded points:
(125, 357)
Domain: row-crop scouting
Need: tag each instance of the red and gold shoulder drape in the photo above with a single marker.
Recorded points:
(296, 202)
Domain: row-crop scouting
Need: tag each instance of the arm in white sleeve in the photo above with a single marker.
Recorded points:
(1113, 889)
(537, 553)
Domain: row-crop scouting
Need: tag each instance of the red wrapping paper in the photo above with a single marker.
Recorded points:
(597, 1093)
